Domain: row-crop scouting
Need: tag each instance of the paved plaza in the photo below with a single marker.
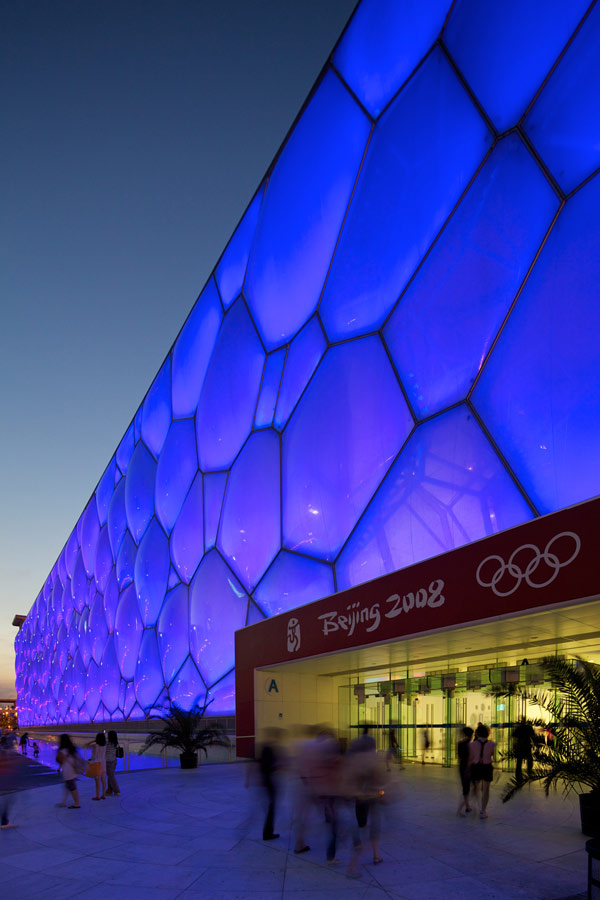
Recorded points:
(197, 834)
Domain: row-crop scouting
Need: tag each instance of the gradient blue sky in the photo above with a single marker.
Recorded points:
(133, 136)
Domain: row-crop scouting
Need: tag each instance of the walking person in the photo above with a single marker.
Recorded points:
(112, 745)
(71, 765)
(270, 762)
(462, 751)
(523, 737)
(481, 770)
(23, 742)
(364, 784)
(8, 785)
(97, 765)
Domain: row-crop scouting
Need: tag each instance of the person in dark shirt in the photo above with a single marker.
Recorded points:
(523, 737)
(462, 750)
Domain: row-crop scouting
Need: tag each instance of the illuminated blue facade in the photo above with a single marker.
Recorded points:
(396, 354)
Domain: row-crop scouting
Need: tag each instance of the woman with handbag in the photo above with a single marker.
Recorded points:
(97, 765)
(112, 749)
(71, 765)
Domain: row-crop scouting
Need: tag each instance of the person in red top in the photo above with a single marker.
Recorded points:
(481, 770)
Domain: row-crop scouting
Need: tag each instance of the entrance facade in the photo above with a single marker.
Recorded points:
(421, 652)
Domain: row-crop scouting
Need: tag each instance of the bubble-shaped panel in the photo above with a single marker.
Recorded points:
(405, 192)
(231, 271)
(125, 449)
(79, 676)
(90, 531)
(104, 491)
(214, 491)
(128, 632)
(152, 572)
(302, 212)
(228, 399)
(97, 628)
(193, 350)
(293, 580)
(546, 417)
(250, 531)
(110, 676)
(187, 540)
(564, 123)
(130, 704)
(139, 491)
(92, 690)
(469, 279)
(117, 518)
(221, 696)
(111, 598)
(447, 488)
(383, 43)
(175, 471)
(303, 356)
(187, 688)
(505, 50)
(79, 583)
(156, 416)
(254, 614)
(218, 605)
(148, 674)
(173, 631)
(269, 388)
(338, 445)
(126, 561)
(71, 551)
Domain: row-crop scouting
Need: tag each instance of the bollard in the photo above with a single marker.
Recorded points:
(593, 851)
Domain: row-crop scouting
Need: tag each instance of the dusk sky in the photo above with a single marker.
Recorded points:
(133, 136)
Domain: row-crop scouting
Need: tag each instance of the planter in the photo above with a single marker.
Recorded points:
(188, 760)
(589, 808)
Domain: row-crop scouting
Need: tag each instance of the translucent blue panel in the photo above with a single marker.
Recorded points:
(187, 540)
(78, 529)
(71, 551)
(62, 566)
(79, 584)
(104, 491)
(109, 687)
(232, 267)
(539, 393)
(90, 529)
(293, 581)
(269, 389)
(137, 424)
(139, 491)
(126, 561)
(193, 350)
(125, 449)
(152, 572)
(104, 558)
(505, 50)
(85, 639)
(302, 212)
(148, 674)
(447, 488)
(222, 697)
(254, 614)
(157, 410)
(97, 627)
(250, 532)
(303, 357)
(339, 444)
(130, 704)
(56, 601)
(111, 599)
(173, 576)
(383, 43)
(564, 123)
(175, 471)
(173, 631)
(187, 687)
(214, 489)
(228, 399)
(79, 676)
(406, 190)
(218, 605)
(128, 632)
(92, 690)
(117, 518)
(469, 279)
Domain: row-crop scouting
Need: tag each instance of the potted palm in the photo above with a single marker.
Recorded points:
(571, 758)
(188, 731)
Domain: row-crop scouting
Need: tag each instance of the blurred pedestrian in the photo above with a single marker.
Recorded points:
(97, 765)
(8, 786)
(23, 742)
(462, 751)
(523, 738)
(425, 744)
(364, 782)
(36, 749)
(112, 745)
(71, 765)
(481, 770)
(271, 761)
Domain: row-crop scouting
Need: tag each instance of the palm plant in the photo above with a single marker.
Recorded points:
(572, 758)
(188, 731)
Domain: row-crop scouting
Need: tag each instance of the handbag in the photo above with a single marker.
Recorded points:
(93, 770)
(119, 753)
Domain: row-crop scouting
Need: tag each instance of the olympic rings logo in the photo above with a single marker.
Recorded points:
(523, 570)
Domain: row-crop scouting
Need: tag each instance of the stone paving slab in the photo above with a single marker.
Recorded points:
(175, 835)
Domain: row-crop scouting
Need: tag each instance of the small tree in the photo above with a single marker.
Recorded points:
(188, 731)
